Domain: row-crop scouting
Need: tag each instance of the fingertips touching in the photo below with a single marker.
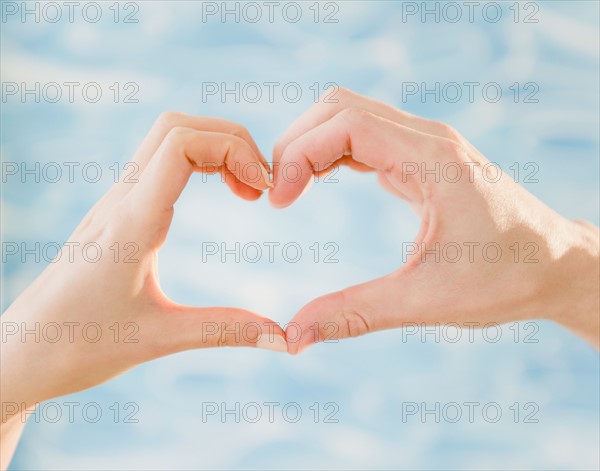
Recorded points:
(247, 166)
(186, 328)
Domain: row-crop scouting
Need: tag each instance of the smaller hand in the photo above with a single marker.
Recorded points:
(112, 314)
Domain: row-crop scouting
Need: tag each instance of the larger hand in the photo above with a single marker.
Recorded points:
(474, 213)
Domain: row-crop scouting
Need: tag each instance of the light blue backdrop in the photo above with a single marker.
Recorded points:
(169, 53)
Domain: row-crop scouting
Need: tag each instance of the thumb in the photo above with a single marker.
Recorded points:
(352, 312)
(187, 328)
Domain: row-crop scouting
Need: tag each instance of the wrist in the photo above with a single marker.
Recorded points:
(10, 433)
(575, 283)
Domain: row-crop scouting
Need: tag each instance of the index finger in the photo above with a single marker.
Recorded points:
(345, 99)
(182, 152)
(371, 140)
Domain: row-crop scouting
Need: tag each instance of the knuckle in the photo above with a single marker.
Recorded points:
(344, 94)
(354, 323)
(229, 334)
(352, 318)
(241, 132)
(334, 97)
(448, 131)
(234, 145)
(446, 149)
(169, 119)
(353, 115)
(177, 136)
(120, 218)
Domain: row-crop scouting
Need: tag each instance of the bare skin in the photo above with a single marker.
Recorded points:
(122, 296)
(562, 285)
(560, 282)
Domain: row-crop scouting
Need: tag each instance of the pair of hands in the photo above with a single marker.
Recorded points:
(366, 135)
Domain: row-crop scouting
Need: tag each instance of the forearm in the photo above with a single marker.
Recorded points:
(10, 434)
(12, 423)
(18, 390)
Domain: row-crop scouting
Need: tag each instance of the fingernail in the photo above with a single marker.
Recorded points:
(272, 342)
(266, 176)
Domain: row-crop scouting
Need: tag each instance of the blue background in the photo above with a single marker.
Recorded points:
(169, 53)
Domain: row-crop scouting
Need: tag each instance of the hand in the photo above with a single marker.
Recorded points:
(123, 302)
(551, 272)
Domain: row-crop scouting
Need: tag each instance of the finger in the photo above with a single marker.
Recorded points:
(352, 312)
(181, 153)
(322, 112)
(160, 130)
(239, 188)
(371, 140)
(347, 161)
(169, 120)
(185, 328)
